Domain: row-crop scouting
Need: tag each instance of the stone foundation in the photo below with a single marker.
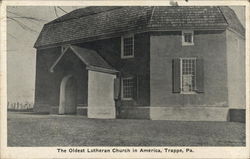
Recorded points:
(177, 113)
(41, 108)
(82, 111)
(189, 113)
(134, 113)
(107, 112)
(237, 115)
(54, 110)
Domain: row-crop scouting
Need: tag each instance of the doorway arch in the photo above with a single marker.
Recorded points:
(68, 95)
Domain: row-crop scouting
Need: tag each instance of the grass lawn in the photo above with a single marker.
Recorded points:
(27, 129)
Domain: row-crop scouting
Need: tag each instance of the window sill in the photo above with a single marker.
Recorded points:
(127, 99)
(188, 93)
(127, 57)
(187, 44)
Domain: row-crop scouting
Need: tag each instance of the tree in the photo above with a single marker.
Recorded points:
(24, 21)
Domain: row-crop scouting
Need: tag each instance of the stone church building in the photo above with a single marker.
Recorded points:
(143, 62)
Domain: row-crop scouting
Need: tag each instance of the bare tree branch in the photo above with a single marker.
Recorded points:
(25, 17)
(55, 10)
(24, 26)
(62, 9)
(13, 13)
(22, 20)
(31, 18)
(12, 36)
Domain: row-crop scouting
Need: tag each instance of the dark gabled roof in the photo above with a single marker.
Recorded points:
(94, 23)
(90, 58)
(75, 14)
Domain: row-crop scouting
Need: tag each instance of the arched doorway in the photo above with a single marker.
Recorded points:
(68, 95)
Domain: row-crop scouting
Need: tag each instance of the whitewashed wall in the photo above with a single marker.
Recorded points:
(101, 102)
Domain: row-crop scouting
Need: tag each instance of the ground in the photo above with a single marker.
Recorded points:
(28, 129)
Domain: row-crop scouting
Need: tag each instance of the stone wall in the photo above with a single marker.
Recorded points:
(212, 104)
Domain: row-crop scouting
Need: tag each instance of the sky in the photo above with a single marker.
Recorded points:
(21, 56)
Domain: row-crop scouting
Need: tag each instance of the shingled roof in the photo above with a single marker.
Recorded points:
(94, 23)
(90, 58)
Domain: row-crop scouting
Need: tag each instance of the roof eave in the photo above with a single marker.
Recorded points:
(101, 69)
(113, 35)
(236, 32)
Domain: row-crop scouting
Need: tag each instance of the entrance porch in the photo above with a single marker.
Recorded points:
(87, 84)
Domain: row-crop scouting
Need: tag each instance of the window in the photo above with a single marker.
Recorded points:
(188, 75)
(127, 46)
(187, 37)
(128, 88)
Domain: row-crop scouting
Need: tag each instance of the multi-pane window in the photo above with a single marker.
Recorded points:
(187, 37)
(127, 46)
(188, 75)
(127, 88)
